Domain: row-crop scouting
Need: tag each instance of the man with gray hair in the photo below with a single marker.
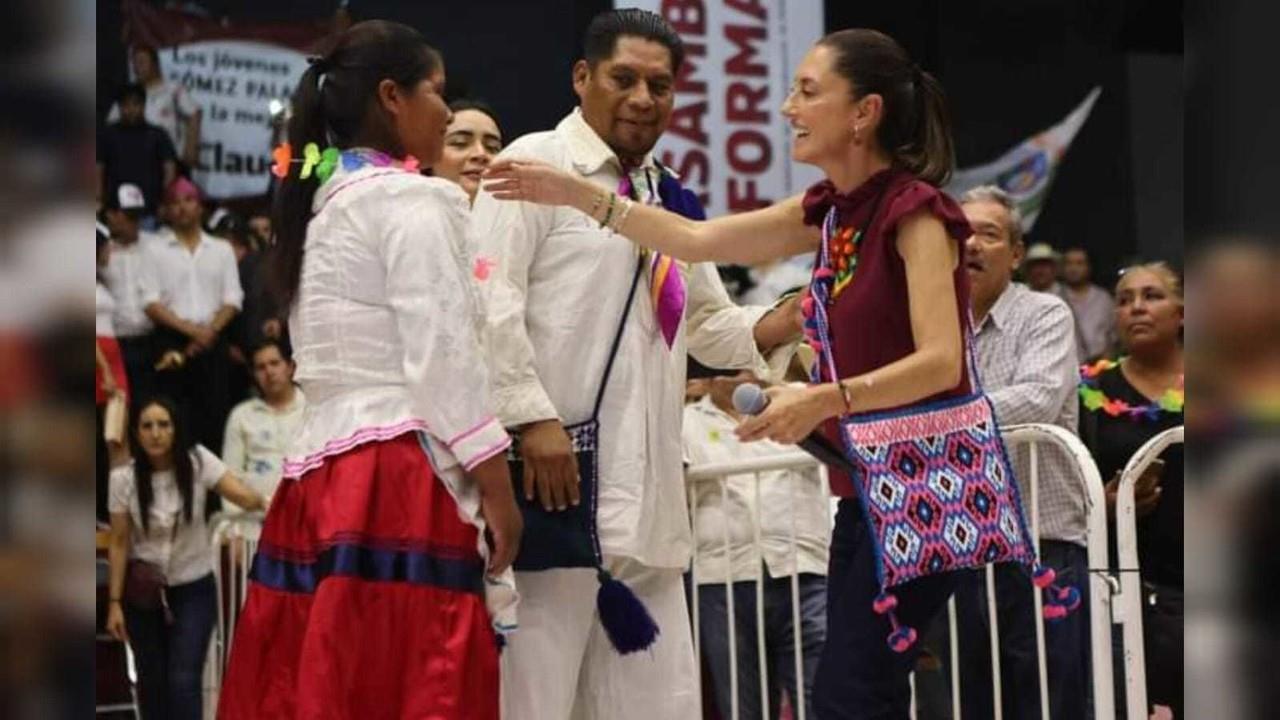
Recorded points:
(1026, 356)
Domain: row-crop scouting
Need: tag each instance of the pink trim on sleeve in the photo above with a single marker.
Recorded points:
(468, 433)
(487, 453)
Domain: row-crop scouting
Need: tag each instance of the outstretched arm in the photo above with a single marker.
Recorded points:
(771, 233)
(936, 364)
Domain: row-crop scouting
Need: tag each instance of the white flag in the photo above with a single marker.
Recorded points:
(1027, 171)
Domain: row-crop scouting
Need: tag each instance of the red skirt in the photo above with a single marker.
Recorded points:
(366, 599)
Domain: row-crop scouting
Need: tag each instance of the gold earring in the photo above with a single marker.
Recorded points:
(857, 130)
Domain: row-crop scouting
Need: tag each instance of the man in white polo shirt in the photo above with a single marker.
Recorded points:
(192, 291)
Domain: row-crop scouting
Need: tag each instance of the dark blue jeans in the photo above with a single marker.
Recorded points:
(713, 617)
(170, 658)
(1066, 641)
(859, 676)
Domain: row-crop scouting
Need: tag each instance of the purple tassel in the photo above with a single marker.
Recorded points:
(903, 636)
(626, 621)
(1043, 577)
(1060, 601)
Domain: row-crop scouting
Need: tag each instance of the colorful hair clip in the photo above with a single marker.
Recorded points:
(323, 163)
(310, 158)
(328, 163)
(283, 157)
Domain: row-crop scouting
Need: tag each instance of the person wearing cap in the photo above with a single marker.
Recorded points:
(122, 276)
(192, 292)
(133, 150)
(1040, 268)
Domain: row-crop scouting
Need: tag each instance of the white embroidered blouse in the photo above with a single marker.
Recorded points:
(385, 326)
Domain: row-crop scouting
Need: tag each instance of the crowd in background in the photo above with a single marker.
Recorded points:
(187, 329)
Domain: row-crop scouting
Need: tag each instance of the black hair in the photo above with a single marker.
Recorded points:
(915, 127)
(151, 53)
(334, 104)
(285, 351)
(602, 35)
(184, 470)
(233, 225)
(461, 104)
(132, 91)
(104, 237)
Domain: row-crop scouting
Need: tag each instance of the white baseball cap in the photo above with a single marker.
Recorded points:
(129, 197)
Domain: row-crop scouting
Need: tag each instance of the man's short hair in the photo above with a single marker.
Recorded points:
(602, 34)
(993, 194)
(132, 91)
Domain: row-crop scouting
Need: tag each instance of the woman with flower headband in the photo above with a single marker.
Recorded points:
(369, 589)
(1123, 405)
(888, 318)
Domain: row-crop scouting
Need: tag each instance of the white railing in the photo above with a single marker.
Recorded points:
(233, 545)
(1127, 608)
(1111, 601)
(720, 472)
(1101, 587)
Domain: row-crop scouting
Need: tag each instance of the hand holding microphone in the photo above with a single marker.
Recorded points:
(788, 415)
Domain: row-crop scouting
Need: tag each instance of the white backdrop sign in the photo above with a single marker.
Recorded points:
(234, 82)
(728, 139)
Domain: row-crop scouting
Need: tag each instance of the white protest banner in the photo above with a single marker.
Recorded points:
(234, 71)
(234, 82)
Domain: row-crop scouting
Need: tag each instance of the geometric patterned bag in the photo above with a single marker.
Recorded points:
(934, 480)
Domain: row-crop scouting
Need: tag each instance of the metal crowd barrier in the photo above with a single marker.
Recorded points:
(234, 542)
(720, 472)
(1127, 608)
(1101, 585)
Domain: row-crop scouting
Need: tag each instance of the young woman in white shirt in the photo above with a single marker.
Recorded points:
(471, 141)
(157, 506)
(368, 593)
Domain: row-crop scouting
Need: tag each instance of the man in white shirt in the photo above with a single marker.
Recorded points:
(555, 283)
(123, 275)
(786, 502)
(1026, 355)
(191, 290)
(260, 429)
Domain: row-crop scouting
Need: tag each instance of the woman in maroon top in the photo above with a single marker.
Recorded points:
(877, 125)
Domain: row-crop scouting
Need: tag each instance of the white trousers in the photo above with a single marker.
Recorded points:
(559, 665)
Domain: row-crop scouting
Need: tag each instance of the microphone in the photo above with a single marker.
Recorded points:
(749, 399)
